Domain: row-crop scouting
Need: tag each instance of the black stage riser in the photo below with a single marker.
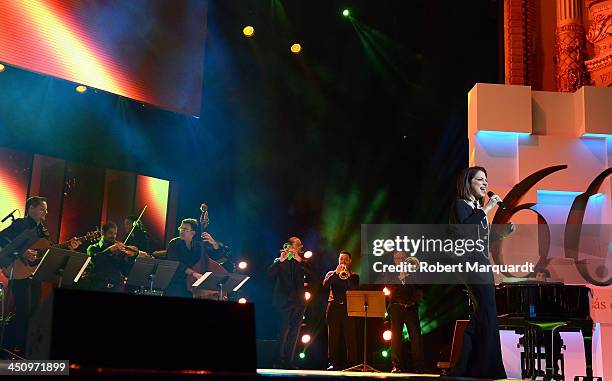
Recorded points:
(110, 330)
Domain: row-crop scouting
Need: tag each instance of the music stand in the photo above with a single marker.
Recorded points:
(217, 281)
(59, 263)
(152, 273)
(365, 304)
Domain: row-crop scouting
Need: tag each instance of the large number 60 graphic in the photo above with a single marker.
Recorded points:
(573, 226)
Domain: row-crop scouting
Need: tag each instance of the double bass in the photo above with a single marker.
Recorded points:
(205, 264)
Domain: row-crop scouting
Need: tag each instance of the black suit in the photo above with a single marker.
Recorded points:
(341, 328)
(481, 351)
(26, 292)
(187, 257)
(404, 309)
(288, 298)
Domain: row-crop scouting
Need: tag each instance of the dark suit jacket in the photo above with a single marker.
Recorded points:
(288, 282)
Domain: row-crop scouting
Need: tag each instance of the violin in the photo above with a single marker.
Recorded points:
(128, 250)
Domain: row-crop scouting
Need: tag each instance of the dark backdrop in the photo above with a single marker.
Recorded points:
(367, 125)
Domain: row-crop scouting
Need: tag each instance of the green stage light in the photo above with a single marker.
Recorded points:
(346, 12)
(385, 353)
(302, 355)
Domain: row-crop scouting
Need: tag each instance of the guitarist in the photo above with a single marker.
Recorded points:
(26, 292)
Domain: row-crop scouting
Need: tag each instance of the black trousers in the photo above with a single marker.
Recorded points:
(401, 314)
(481, 351)
(26, 298)
(340, 330)
(291, 319)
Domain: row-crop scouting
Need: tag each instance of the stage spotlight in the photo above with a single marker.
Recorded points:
(306, 338)
(248, 31)
(307, 295)
(386, 291)
(346, 12)
(296, 48)
(81, 88)
(308, 254)
(242, 265)
(2, 67)
(242, 301)
(387, 335)
(302, 355)
(384, 353)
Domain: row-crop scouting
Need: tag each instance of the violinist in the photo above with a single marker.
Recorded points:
(109, 261)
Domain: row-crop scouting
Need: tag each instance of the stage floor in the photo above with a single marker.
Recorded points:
(323, 374)
(336, 374)
(261, 375)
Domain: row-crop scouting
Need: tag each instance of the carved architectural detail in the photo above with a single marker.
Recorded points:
(570, 47)
(519, 42)
(600, 35)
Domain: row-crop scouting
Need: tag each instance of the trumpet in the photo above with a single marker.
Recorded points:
(287, 247)
(412, 260)
(344, 274)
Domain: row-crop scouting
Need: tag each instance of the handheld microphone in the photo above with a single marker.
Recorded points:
(499, 203)
(10, 215)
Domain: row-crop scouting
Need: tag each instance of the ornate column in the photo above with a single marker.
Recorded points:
(519, 45)
(600, 35)
(570, 47)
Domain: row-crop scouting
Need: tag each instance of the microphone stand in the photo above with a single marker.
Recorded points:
(11, 215)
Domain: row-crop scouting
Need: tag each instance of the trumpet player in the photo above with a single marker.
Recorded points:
(404, 309)
(340, 327)
(288, 272)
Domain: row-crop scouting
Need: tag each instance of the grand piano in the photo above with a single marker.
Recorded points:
(539, 311)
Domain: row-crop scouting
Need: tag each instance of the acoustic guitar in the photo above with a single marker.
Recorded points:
(22, 268)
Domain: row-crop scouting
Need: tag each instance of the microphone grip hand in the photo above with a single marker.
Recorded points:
(495, 199)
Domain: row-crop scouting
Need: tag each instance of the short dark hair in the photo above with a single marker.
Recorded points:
(538, 270)
(193, 222)
(108, 225)
(345, 252)
(292, 240)
(464, 180)
(34, 201)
